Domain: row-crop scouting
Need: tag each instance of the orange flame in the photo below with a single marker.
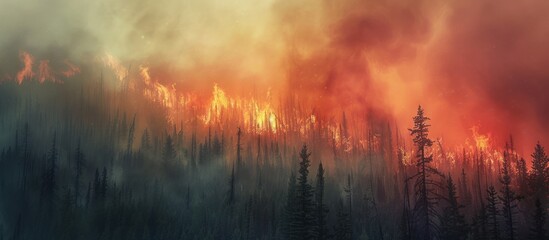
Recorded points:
(71, 69)
(120, 71)
(26, 72)
(257, 116)
(45, 72)
(482, 141)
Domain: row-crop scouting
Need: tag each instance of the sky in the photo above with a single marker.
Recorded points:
(469, 63)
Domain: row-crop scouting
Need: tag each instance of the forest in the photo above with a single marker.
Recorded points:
(81, 161)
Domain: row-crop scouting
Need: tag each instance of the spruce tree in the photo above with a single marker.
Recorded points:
(537, 229)
(321, 210)
(342, 229)
(425, 212)
(453, 225)
(230, 192)
(508, 200)
(304, 197)
(168, 154)
(539, 174)
(492, 214)
(79, 162)
(290, 227)
(145, 141)
(49, 178)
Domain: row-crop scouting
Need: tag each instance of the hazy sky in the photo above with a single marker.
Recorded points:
(469, 62)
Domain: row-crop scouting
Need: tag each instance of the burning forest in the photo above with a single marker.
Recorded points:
(274, 120)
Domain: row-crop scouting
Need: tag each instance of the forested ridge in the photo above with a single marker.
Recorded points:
(89, 164)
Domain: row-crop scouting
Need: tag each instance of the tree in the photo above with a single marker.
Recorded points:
(508, 199)
(539, 174)
(145, 141)
(342, 229)
(479, 225)
(349, 190)
(304, 197)
(96, 186)
(168, 154)
(49, 184)
(492, 214)
(104, 183)
(453, 225)
(238, 148)
(230, 192)
(537, 230)
(290, 227)
(425, 211)
(79, 162)
(321, 210)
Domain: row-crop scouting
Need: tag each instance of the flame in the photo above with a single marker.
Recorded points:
(218, 103)
(71, 69)
(26, 72)
(482, 141)
(45, 72)
(255, 115)
(120, 71)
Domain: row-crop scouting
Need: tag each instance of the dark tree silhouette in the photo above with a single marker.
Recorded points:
(230, 193)
(304, 197)
(49, 179)
(238, 148)
(539, 174)
(508, 199)
(349, 191)
(291, 228)
(537, 229)
(342, 229)
(321, 210)
(79, 163)
(479, 229)
(169, 153)
(493, 214)
(425, 211)
(453, 225)
(145, 141)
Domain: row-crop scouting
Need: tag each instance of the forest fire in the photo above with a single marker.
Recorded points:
(276, 119)
(26, 72)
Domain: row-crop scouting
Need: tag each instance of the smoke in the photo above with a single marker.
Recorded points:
(469, 63)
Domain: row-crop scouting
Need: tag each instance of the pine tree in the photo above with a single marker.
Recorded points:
(349, 191)
(321, 210)
(230, 192)
(508, 199)
(96, 186)
(492, 214)
(104, 183)
(453, 225)
(537, 229)
(425, 211)
(79, 162)
(238, 149)
(168, 153)
(290, 227)
(145, 141)
(130, 138)
(342, 229)
(49, 181)
(539, 174)
(479, 225)
(304, 197)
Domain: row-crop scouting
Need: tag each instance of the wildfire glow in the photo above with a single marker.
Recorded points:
(120, 71)
(45, 72)
(482, 141)
(71, 69)
(26, 72)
